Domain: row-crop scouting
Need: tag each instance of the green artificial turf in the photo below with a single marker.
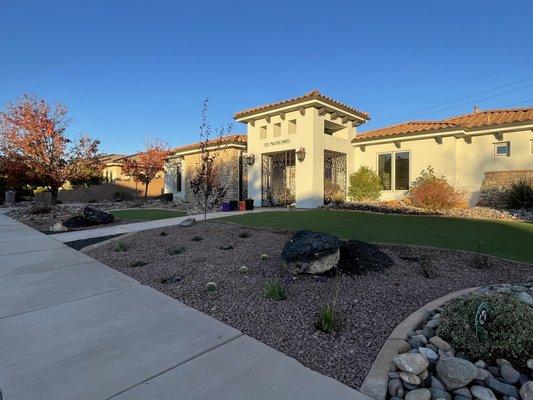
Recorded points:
(146, 214)
(512, 240)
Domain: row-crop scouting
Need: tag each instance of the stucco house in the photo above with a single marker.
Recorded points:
(301, 150)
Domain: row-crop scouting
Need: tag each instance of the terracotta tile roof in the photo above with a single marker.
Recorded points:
(463, 122)
(312, 95)
(228, 139)
(111, 158)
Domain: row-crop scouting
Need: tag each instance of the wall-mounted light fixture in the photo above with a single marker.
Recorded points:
(300, 154)
(249, 159)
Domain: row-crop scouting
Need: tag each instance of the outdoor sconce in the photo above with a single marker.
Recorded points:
(301, 154)
(250, 159)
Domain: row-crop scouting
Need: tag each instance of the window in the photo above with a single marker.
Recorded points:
(178, 178)
(401, 171)
(277, 129)
(502, 149)
(262, 132)
(292, 127)
(384, 170)
(394, 165)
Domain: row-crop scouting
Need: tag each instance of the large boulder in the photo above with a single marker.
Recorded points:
(310, 252)
(358, 257)
(456, 372)
(77, 221)
(97, 217)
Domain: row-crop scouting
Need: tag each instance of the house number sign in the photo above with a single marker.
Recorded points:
(276, 142)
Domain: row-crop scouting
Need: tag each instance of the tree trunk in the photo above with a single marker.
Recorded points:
(146, 191)
(54, 190)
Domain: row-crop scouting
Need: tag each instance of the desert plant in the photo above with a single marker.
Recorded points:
(427, 266)
(480, 261)
(40, 209)
(197, 239)
(243, 269)
(226, 247)
(175, 278)
(244, 235)
(177, 250)
(507, 332)
(163, 233)
(520, 194)
(121, 246)
(365, 184)
(138, 264)
(327, 320)
(432, 192)
(211, 286)
(274, 290)
(263, 257)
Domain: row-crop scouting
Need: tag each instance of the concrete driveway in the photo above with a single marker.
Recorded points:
(73, 328)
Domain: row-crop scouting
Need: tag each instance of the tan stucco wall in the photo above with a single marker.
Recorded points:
(462, 163)
(309, 185)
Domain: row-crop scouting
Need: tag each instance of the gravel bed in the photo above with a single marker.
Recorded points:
(370, 306)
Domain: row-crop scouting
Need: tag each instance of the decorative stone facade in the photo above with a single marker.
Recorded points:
(496, 184)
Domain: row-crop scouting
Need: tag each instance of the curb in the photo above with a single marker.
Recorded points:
(376, 381)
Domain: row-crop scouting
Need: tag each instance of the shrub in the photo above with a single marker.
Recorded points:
(274, 290)
(243, 269)
(520, 194)
(43, 209)
(365, 184)
(138, 264)
(327, 321)
(177, 250)
(197, 239)
(226, 247)
(211, 286)
(120, 246)
(163, 233)
(508, 332)
(333, 193)
(244, 235)
(263, 257)
(433, 193)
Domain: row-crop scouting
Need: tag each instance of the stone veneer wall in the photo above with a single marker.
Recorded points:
(228, 160)
(496, 184)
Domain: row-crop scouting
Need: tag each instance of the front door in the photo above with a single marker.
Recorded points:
(278, 179)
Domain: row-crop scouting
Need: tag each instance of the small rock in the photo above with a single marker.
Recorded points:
(526, 299)
(428, 331)
(410, 378)
(440, 343)
(394, 375)
(403, 347)
(526, 391)
(412, 363)
(500, 362)
(482, 393)
(187, 222)
(423, 375)
(437, 384)
(437, 394)
(421, 338)
(510, 374)
(400, 393)
(501, 388)
(482, 374)
(393, 386)
(459, 397)
(455, 372)
(414, 343)
(58, 227)
(418, 394)
(463, 391)
(480, 364)
(432, 347)
(530, 363)
(495, 371)
(433, 323)
(409, 386)
(428, 353)
(522, 379)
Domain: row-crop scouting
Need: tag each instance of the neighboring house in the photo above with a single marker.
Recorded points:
(182, 165)
(302, 150)
(112, 167)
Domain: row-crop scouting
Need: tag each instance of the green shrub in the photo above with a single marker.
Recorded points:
(274, 290)
(121, 246)
(327, 321)
(434, 193)
(211, 286)
(520, 194)
(263, 257)
(508, 332)
(365, 184)
(138, 264)
(226, 247)
(243, 269)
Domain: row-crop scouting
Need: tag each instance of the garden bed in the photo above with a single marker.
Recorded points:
(369, 306)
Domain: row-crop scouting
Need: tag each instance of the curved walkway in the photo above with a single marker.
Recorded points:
(73, 328)
(142, 226)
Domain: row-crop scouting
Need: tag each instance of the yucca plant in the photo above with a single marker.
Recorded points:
(120, 246)
(274, 290)
(520, 194)
(327, 320)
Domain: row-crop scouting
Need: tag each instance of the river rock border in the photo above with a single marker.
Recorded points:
(376, 382)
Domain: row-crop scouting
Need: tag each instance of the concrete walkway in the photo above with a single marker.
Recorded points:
(142, 226)
(73, 328)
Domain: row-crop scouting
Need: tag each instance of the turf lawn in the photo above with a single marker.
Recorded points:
(512, 240)
(146, 214)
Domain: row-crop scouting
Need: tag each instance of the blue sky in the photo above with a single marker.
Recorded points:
(129, 70)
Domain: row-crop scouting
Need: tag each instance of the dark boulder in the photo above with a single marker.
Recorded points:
(77, 221)
(165, 197)
(358, 257)
(97, 217)
(310, 252)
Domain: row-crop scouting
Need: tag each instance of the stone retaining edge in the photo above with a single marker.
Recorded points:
(376, 381)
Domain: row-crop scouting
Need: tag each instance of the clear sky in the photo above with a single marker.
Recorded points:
(130, 69)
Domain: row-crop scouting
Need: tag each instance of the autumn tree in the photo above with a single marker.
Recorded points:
(145, 166)
(36, 150)
(205, 184)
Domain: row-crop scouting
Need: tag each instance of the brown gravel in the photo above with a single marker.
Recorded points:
(370, 306)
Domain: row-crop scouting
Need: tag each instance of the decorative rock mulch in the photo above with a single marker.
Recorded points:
(473, 212)
(430, 368)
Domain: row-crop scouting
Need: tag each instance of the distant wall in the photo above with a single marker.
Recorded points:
(105, 191)
(496, 185)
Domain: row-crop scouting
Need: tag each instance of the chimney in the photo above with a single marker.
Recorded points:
(476, 109)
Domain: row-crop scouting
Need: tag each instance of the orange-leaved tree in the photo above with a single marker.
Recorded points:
(35, 147)
(144, 167)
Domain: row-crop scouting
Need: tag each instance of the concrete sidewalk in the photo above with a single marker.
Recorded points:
(73, 328)
(142, 226)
